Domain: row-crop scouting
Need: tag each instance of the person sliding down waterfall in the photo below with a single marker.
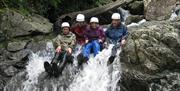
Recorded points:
(116, 34)
(78, 29)
(94, 36)
(64, 44)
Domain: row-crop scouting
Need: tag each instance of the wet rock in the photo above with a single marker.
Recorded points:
(10, 71)
(151, 49)
(20, 58)
(19, 25)
(16, 46)
(19, 55)
(151, 44)
(158, 9)
(23, 62)
(2, 82)
(37, 46)
(170, 82)
(136, 8)
(3, 54)
(2, 36)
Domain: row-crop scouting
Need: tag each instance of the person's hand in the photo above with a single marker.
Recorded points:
(69, 50)
(86, 41)
(123, 42)
(58, 49)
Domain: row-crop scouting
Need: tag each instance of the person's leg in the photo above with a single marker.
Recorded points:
(55, 65)
(80, 59)
(87, 49)
(63, 63)
(113, 55)
(48, 68)
(69, 58)
(58, 57)
(96, 47)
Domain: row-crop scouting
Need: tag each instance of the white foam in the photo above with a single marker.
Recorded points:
(96, 76)
(36, 66)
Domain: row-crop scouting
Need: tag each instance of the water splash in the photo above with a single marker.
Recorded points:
(36, 66)
(96, 75)
(28, 80)
(137, 24)
(124, 14)
(175, 13)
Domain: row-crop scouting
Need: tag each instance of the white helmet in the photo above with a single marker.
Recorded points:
(80, 18)
(115, 16)
(94, 19)
(65, 24)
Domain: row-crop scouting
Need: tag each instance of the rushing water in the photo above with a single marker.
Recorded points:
(175, 13)
(124, 13)
(95, 76)
(36, 66)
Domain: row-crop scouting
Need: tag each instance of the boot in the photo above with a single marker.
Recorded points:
(55, 70)
(110, 60)
(48, 68)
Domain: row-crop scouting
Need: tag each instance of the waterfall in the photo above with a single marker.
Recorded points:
(175, 13)
(36, 66)
(137, 24)
(95, 76)
(124, 13)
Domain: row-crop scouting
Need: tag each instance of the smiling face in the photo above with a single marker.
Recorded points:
(94, 25)
(65, 30)
(115, 22)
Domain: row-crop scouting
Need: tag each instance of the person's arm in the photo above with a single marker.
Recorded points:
(125, 33)
(86, 35)
(57, 43)
(73, 41)
(107, 32)
(102, 35)
(72, 44)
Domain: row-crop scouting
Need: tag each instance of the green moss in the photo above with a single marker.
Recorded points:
(22, 11)
(2, 10)
(3, 44)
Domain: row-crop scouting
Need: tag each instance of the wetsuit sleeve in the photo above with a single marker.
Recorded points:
(57, 41)
(102, 35)
(86, 34)
(106, 33)
(72, 29)
(72, 45)
(125, 33)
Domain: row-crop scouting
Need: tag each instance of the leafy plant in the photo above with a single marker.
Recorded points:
(51, 8)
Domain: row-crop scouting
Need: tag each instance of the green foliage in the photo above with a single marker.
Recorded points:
(51, 8)
(34, 6)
